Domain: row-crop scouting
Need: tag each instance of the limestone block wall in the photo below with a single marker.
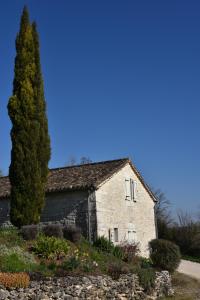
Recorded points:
(115, 211)
(4, 210)
(61, 207)
(67, 207)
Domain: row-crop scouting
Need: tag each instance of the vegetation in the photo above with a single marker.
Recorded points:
(53, 230)
(186, 288)
(191, 258)
(29, 232)
(10, 237)
(104, 244)
(43, 143)
(72, 161)
(72, 233)
(19, 280)
(185, 231)
(50, 247)
(130, 251)
(147, 278)
(165, 254)
(29, 134)
(53, 256)
(116, 269)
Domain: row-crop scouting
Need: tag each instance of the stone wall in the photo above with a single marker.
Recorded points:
(4, 211)
(115, 211)
(67, 208)
(90, 287)
(60, 207)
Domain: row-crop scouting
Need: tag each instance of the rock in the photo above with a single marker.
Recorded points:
(68, 297)
(90, 287)
(3, 294)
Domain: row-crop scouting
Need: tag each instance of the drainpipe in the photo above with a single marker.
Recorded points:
(89, 225)
(156, 223)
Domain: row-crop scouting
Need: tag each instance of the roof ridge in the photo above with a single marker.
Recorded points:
(82, 165)
(92, 163)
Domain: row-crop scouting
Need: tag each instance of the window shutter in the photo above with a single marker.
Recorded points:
(132, 188)
(131, 236)
(116, 238)
(135, 190)
(128, 190)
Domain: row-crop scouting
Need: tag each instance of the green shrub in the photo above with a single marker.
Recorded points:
(118, 252)
(145, 263)
(146, 279)
(116, 269)
(50, 247)
(10, 237)
(89, 266)
(14, 263)
(195, 245)
(71, 264)
(29, 232)
(72, 233)
(15, 259)
(52, 266)
(53, 230)
(165, 254)
(191, 258)
(104, 244)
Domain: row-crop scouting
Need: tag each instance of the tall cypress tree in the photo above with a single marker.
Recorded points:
(26, 173)
(44, 151)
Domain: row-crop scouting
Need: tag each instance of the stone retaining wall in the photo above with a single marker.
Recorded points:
(91, 288)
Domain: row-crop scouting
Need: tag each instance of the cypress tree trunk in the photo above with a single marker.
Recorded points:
(27, 174)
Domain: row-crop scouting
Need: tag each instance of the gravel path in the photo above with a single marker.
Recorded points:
(190, 268)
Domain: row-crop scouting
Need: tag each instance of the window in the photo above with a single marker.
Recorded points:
(116, 239)
(133, 185)
(109, 235)
(131, 236)
(130, 185)
(128, 191)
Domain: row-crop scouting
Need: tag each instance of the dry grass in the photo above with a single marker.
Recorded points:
(186, 288)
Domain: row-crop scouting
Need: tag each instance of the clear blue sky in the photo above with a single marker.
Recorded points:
(122, 78)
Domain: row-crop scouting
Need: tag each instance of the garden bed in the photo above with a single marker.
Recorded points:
(59, 264)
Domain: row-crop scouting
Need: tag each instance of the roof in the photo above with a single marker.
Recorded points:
(79, 177)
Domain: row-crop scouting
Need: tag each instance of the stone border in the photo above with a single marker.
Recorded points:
(90, 287)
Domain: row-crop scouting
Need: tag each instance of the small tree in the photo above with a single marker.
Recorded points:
(71, 161)
(85, 160)
(163, 215)
(186, 234)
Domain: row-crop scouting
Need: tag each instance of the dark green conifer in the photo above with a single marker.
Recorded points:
(26, 171)
(44, 150)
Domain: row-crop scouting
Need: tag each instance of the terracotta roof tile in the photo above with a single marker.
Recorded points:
(80, 177)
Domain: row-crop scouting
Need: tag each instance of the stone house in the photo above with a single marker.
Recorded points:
(108, 198)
